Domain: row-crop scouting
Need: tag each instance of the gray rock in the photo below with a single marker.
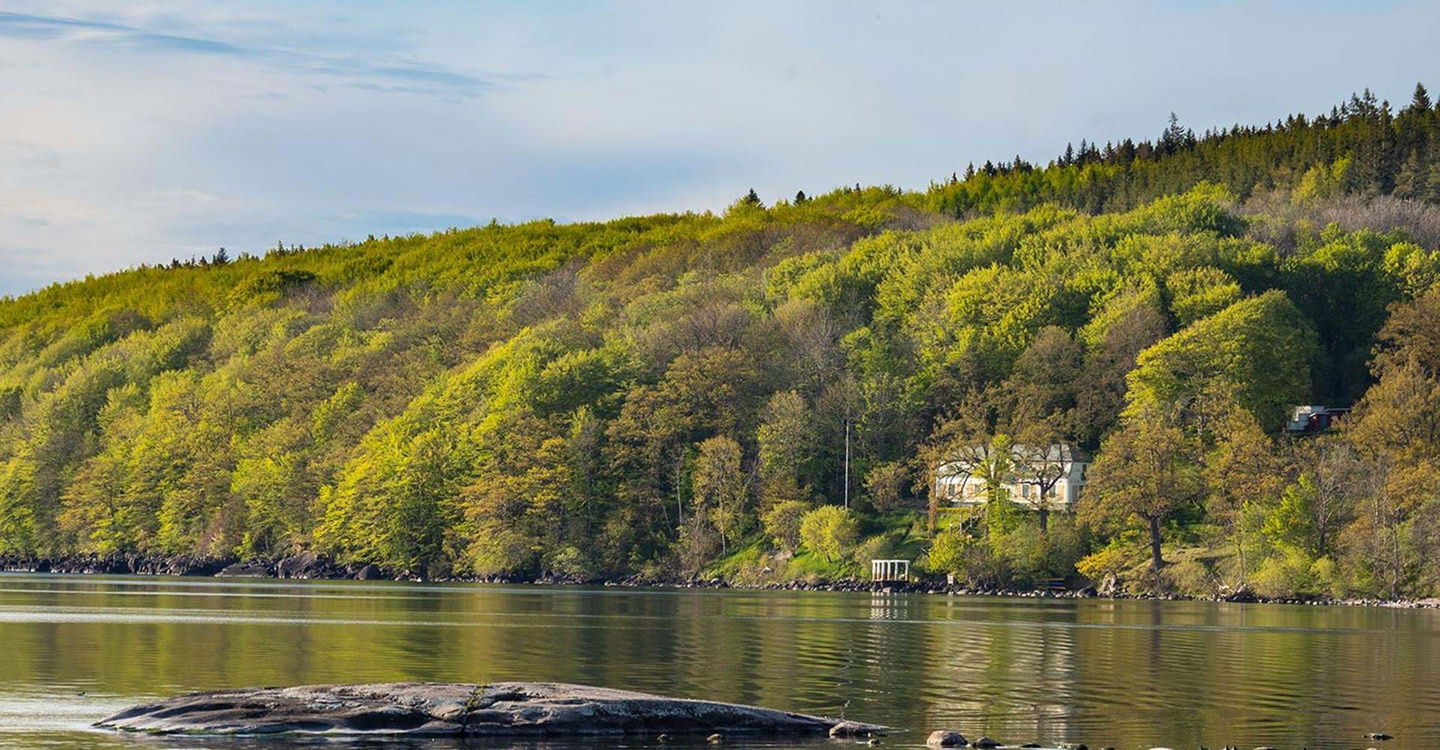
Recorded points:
(946, 738)
(456, 709)
(246, 569)
(851, 729)
(307, 566)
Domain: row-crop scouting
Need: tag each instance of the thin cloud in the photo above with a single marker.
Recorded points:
(390, 75)
(138, 132)
(403, 222)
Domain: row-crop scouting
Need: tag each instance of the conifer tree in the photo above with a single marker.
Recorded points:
(1420, 100)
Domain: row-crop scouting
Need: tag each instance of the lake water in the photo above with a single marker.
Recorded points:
(1125, 674)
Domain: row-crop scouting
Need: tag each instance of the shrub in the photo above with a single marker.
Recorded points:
(570, 561)
(782, 523)
(886, 485)
(878, 547)
(1190, 577)
(1105, 562)
(697, 546)
(501, 551)
(971, 560)
(829, 531)
(948, 550)
(1294, 573)
(1023, 554)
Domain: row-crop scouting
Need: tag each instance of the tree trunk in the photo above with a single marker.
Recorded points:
(1044, 519)
(1156, 561)
(1240, 555)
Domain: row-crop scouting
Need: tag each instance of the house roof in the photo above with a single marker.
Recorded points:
(1061, 452)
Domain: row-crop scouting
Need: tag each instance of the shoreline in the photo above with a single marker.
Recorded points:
(311, 567)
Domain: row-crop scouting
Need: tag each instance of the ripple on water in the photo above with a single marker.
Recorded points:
(1127, 674)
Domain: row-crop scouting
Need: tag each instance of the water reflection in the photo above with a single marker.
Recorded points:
(1123, 674)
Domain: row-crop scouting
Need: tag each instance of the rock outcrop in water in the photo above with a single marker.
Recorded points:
(456, 709)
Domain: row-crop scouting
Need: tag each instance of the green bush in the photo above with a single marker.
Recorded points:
(1291, 572)
(878, 547)
(829, 531)
(1110, 560)
(782, 523)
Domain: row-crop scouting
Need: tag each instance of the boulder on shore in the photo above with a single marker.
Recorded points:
(455, 709)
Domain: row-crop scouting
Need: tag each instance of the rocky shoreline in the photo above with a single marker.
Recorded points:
(303, 566)
(310, 566)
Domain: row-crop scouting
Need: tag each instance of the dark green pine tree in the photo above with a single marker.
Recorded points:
(1420, 101)
(1173, 139)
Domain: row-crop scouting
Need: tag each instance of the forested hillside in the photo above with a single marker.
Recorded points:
(671, 394)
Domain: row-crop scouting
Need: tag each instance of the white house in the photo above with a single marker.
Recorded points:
(1049, 477)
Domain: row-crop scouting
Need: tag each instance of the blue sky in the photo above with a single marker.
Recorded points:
(141, 131)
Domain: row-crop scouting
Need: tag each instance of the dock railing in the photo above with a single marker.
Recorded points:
(890, 570)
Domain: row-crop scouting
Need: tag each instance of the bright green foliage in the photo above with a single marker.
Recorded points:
(1199, 292)
(782, 523)
(784, 447)
(1291, 525)
(1416, 269)
(1261, 347)
(395, 503)
(634, 395)
(1323, 181)
(275, 499)
(720, 489)
(829, 531)
(1021, 554)
(950, 550)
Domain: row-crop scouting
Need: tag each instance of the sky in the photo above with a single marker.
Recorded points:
(141, 131)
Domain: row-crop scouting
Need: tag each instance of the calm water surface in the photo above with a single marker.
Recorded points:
(1121, 674)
